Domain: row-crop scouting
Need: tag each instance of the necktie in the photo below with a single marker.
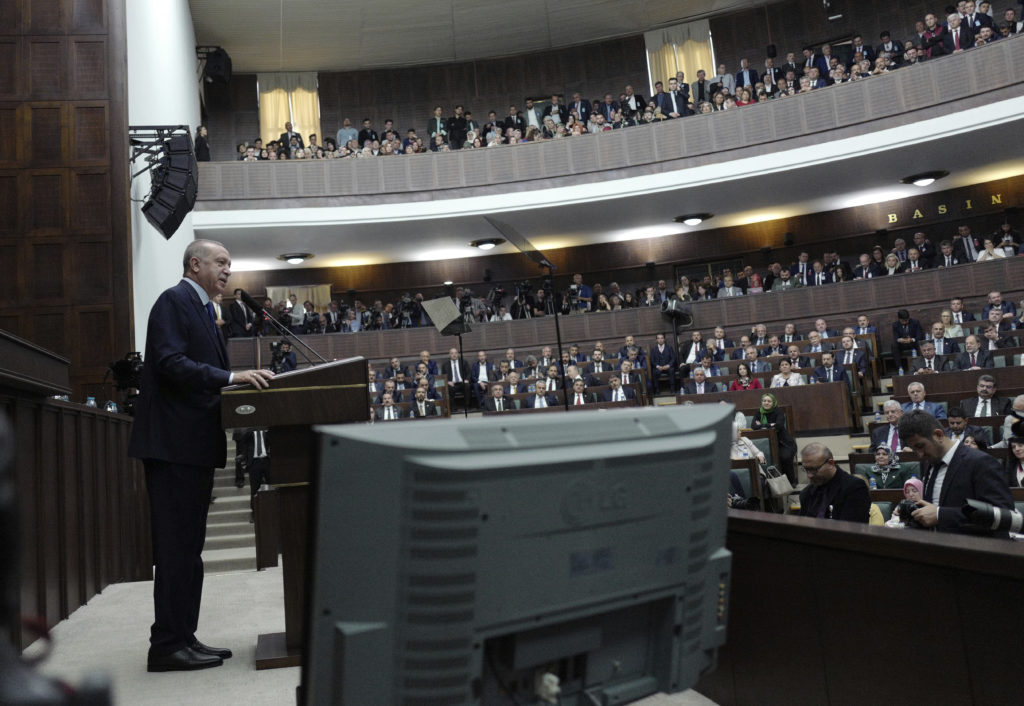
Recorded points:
(579, 398)
(957, 318)
(423, 411)
(540, 401)
(618, 395)
(389, 413)
(700, 388)
(785, 383)
(985, 409)
(917, 405)
(895, 443)
(830, 374)
(928, 363)
(956, 39)
(213, 318)
(974, 359)
(625, 378)
(551, 384)
(455, 371)
(498, 405)
(849, 357)
(949, 262)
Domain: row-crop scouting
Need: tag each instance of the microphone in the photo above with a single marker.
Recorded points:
(253, 305)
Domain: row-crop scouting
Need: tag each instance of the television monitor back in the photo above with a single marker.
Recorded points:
(459, 562)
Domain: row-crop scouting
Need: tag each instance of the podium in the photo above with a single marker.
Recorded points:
(331, 393)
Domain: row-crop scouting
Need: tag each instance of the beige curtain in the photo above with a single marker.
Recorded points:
(685, 47)
(289, 97)
(319, 294)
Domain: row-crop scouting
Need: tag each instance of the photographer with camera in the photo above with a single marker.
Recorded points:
(580, 295)
(952, 473)
(282, 358)
(903, 513)
(311, 322)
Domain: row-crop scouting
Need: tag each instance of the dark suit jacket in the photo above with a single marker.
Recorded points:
(838, 373)
(238, 316)
(396, 396)
(286, 140)
(921, 265)
(802, 362)
(966, 39)
(963, 361)
(177, 413)
(588, 397)
(583, 110)
(1000, 406)
(447, 369)
(859, 359)
(668, 357)
(912, 329)
(825, 346)
(378, 413)
(690, 387)
(507, 404)
(517, 123)
(549, 398)
(430, 407)
(941, 364)
(971, 474)
(562, 111)
(812, 278)
(750, 73)
(872, 270)
(845, 497)
(629, 392)
(971, 430)
(949, 346)
(608, 109)
(880, 437)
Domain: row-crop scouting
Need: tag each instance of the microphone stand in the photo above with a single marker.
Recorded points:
(260, 311)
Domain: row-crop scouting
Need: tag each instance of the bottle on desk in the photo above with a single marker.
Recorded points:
(873, 484)
(900, 371)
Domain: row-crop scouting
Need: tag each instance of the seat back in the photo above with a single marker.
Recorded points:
(886, 507)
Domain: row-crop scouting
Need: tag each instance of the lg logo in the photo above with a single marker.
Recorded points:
(585, 502)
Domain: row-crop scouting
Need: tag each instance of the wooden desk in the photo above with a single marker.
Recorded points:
(964, 382)
(822, 408)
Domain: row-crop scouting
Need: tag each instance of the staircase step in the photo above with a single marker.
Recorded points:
(240, 514)
(231, 541)
(222, 529)
(217, 561)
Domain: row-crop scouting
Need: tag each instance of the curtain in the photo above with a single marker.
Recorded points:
(685, 47)
(319, 294)
(289, 97)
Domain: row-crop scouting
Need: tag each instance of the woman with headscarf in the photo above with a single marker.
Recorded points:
(769, 416)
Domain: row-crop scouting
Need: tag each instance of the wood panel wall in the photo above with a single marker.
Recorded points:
(65, 275)
(847, 231)
(408, 95)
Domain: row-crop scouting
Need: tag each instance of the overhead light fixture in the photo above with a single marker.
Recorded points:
(925, 178)
(693, 219)
(487, 243)
(448, 283)
(295, 258)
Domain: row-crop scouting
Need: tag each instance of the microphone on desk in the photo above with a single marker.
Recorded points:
(260, 311)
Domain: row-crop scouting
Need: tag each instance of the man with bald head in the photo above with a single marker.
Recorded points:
(833, 494)
(178, 435)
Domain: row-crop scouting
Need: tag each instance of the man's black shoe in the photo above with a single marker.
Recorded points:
(222, 652)
(183, 660)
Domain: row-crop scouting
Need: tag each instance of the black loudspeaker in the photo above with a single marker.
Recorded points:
(787, 239)
(770, 51)
(174, 186)
(218, 66)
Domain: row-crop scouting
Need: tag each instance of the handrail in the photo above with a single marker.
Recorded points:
(963, 80)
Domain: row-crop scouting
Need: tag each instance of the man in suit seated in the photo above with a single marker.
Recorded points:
(455, 371)
(388, 388)
(927, 363)
(428, 388)
(387, 411)
(952, 473)
(710, 369)
(867, 268)
(821, 326)
(541, 399)
(481, 374)
(421, 406)
(974, 357)
(573, 373)
(630, 342)
(774, 348)
(959, 428)
(818, 275)
(849, 355)
(756, 363)
(829, 371)
(833, 494)
(629, 374)
(906, 332)
(943, 345)
(720, 342)
(497, 402)
(917, 401)
(795, 359)
(995, 301)
(699, 385)
(956, 307)
(740, 351)
(987, 403)
(992, 339)
(512, 384)
(663, 362)
(618, 393)
(888, 435)
(816, 345)
(431, 365)
(597, 364)
(513, 363)
(552, 380)
(913, 263)
(579, 394)
(394, 367)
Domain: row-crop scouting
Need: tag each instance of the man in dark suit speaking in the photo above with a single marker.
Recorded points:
(952, 473)
(178, 436)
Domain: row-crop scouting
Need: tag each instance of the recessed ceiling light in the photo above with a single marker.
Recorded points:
(925, 178)
(487, 243)
(448, 283)
(693, 219)
(295, 258)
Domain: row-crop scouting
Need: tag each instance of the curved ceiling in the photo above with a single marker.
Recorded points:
(347, 35)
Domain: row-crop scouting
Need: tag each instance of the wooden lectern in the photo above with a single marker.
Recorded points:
(330, 393)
